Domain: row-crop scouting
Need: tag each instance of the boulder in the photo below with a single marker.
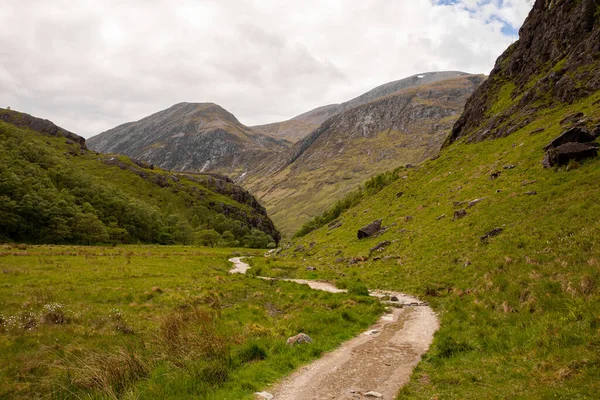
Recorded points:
(492, 233)
(298, 339)
(574, 135)
(459, 214)
(369, 230)
(564, 153)
(264, 395)
(380, 246)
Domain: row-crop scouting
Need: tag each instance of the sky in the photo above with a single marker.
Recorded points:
(90, 65)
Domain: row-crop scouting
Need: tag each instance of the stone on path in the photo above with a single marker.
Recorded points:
(375, 394)
(264, 395)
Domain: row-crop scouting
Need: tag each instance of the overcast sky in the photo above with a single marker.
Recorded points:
(89, 65)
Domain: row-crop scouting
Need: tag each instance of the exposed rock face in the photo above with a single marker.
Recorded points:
(299, 127)
(44, 126)
(404, 127)
(553, 62)
(189, 137)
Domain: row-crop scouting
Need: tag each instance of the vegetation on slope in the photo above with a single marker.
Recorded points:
(54, 190)
(156, 322)
(520, 310)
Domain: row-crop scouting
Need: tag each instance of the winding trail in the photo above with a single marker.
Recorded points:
(375, 364)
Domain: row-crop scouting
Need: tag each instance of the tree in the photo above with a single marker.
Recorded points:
(207, 237)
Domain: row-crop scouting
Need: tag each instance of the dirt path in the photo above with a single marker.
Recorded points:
(375, 364)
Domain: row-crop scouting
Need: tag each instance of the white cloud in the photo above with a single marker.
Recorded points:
(91, 65)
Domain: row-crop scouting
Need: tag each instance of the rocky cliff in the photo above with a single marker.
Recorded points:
(403, 127)
(189, 137)
(554, 63)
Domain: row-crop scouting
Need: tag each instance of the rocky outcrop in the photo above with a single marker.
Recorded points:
(369, 230)
(553, 62)
(44, 126)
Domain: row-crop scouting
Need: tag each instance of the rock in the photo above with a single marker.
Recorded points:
(299, 248)
(574, 135)
(510, 166)
(311, 269)
(312, 244)
(525, 183)
(441, 217)
(369, 230)
(380, 246)
(375, 394)
(340, 260)
(399, 194)
(495, 175)
(532, 193)
(459, 214)
(562, 154)
(408, 218)
(264, 395)
(492, 233)
(69, 142)
(298, 339)
(473, 202)
(570, 119)
(394, 298)
(334, 224)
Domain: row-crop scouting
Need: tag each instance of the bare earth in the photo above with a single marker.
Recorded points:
(379, 360)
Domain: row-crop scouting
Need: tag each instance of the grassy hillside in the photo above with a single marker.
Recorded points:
(54, 190)
(519, 311)
(156, 322)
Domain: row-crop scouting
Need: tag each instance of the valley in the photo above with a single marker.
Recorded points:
(436, 237)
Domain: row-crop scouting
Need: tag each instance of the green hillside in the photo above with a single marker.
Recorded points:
(506, 251)
(520, 311)
(54, 190)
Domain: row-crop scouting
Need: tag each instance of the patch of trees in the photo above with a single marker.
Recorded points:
(46, 198)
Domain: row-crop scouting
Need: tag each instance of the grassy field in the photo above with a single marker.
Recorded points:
(156, 322)
(520, 311)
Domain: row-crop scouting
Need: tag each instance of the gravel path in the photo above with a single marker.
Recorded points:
(375, 364)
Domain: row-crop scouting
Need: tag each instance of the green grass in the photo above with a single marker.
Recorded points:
(156, 322)
(520, 312)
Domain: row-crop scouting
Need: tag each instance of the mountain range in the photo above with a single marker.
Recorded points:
(404, 121)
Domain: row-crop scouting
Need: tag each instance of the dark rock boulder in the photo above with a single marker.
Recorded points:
(459, 214)
(567, 152)
(577, 135)
(369, 230)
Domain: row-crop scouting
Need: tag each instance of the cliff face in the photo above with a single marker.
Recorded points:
(404, 127)
(189, 137)
(554, 62)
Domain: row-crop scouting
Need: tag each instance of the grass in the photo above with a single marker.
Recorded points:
(156, 322)
(520, 312)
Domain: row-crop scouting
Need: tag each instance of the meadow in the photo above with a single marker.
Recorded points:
(150, 322)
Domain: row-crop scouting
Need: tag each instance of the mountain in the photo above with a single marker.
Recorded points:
(298, 127)
(189, 137)
(55, 190)
(379, 130)
(555, 62)
(504, 249)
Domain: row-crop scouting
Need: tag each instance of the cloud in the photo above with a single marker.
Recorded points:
(90, 65)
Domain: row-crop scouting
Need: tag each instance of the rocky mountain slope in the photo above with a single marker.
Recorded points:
(384, 129)
(505, 250)
(555, 62)
(189, 137)
(54, 190)
(298, 127)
